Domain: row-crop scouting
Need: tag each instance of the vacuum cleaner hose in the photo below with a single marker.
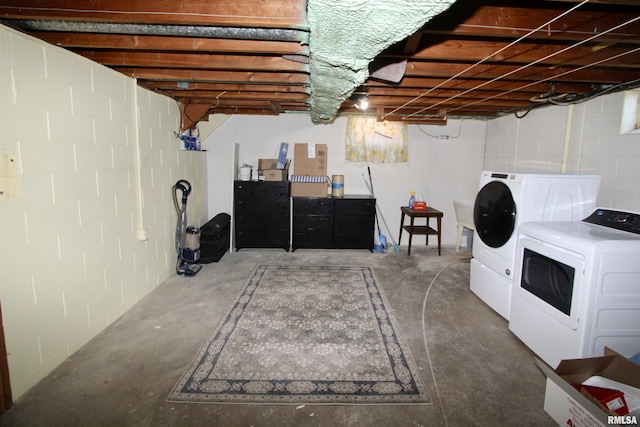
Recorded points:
(181, 228)
(184, 187)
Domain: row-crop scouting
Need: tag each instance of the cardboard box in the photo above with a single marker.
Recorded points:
(568, 406)
(310, 159)
(309, 171)
(267, 168)
(309, 186)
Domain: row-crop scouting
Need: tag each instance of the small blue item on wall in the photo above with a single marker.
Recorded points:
(635, 358)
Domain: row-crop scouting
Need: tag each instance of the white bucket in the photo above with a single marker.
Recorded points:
(245, 173)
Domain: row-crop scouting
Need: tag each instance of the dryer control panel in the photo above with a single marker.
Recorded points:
(624, 221)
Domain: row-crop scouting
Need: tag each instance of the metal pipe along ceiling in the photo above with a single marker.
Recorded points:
(268, 34)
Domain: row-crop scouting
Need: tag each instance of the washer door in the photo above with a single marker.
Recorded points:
(494, 214)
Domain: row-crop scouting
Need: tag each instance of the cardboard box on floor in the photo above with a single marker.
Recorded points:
(268, 168)
(568, 406)
(310, 160)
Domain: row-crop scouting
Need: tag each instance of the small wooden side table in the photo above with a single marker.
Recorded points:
(424, 230)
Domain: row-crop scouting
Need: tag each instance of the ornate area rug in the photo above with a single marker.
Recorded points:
(299, 335)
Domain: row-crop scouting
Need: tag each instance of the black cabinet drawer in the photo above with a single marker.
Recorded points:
(355, 223)
(270, 190)
(250, 240)
(354, 232)
(321, 223)
(258, 222)
(313, 232)
(312, 206)
(242, 190)
(312, 240)
(261, 189)
(353, 241)
(364, 207)
(261, 235)
(265, 207)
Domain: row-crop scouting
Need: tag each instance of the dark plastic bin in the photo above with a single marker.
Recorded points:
(215, 238)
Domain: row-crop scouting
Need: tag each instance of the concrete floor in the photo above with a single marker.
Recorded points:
(476, 371)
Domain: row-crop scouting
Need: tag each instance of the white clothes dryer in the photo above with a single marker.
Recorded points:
(506, 200)
(577, 286)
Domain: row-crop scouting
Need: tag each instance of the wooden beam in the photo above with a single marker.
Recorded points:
(227, 76)
(276, 107)
(525, 52)
(228, 87)
(192, 113)
(173, 44)
(247, 13)
(194, 60)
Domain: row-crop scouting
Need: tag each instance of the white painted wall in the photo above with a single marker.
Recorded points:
(584, 138)
(70, 261)
(442, 169)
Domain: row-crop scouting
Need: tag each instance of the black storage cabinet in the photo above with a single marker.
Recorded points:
(312, 222)
(354, 222)
(330, 223)
(261, 214)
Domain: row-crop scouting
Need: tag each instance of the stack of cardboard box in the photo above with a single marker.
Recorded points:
(309, 171)
(268, 170)
(275, 169)
(569, 402)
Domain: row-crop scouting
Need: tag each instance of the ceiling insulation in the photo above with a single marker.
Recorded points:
(419, 61)
(274, 34)
(345, 37)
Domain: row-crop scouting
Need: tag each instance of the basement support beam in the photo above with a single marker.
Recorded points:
(276, 107)
(191, 114)
(205, 31)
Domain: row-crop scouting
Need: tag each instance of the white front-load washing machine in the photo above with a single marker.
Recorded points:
(506, 200)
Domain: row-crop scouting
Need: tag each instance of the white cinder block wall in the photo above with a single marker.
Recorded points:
(589, 134)
(441, 169)
(74, 190)
(70, 259)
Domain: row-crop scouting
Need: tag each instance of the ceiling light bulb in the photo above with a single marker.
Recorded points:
(364, 104)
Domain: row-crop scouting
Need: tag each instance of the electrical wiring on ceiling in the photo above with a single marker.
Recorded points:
(546, 24)
(443, 136)
(572, 99)
(600, 34)
(545, 80)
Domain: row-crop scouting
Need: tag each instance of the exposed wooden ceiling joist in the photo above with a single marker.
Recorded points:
(469, 61)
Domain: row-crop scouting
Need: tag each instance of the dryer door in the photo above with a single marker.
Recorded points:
(494, 214)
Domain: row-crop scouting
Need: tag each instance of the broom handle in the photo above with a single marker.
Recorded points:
(379, 211)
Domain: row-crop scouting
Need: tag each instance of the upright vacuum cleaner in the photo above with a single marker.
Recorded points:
(187, 238)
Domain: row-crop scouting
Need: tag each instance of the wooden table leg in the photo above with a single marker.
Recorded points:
(439, 220)
(410, 235)
(426, 242)
(401, 224)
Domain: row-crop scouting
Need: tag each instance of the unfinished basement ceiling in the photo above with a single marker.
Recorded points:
(426, 60)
